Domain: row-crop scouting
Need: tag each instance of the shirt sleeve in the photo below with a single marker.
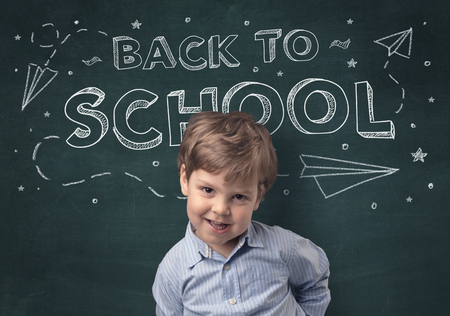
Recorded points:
(168, 300)
(308, 274)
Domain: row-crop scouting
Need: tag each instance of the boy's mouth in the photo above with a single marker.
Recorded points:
(217, 225)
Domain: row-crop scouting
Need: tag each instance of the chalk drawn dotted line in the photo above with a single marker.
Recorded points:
(38, 169)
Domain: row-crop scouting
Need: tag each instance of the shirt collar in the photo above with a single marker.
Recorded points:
(197, 249)
(193, 255)
(253, 240)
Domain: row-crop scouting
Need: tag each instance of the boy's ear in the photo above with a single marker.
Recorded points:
(255, 207)
(184, 181)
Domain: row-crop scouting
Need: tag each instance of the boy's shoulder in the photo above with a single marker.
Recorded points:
(183, 254)
(265, 231)
(287, 242)
(176, 254)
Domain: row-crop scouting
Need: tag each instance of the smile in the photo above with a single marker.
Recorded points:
(217, 226)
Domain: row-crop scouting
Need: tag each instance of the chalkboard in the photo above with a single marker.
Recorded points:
(95, 96)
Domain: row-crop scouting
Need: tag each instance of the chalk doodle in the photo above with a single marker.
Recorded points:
(38, 169)
(352, 63)
(92, 61)
(35, 151)
(136, 25)
(100, 174)
(390, 76)
(73, 183)
(133, 176)
(156, 193)
(419, 155)
(38, 78)
(395, 43)
(338, 43)
(126, 57)
(41, 174)
(409, 199)
(324, 169)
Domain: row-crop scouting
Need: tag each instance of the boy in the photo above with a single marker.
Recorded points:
(228, 264)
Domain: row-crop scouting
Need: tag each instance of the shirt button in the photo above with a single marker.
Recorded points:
(232, 301)
(227, 267)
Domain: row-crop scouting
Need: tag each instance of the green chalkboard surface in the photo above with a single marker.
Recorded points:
(95, 96)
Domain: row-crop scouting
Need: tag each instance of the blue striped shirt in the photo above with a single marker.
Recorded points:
(256, 278)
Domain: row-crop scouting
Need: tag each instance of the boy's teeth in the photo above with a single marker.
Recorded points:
(218, 225)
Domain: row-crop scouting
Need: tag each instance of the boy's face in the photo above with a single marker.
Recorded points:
(220, 212)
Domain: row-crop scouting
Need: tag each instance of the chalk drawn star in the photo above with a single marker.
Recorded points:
(136, 25)
(409, 199)
(21, 188)
(419, 155)
(431, 100)
(349, 21)
(17, 37)
(280, 73)
(352, 63)
(47, 114)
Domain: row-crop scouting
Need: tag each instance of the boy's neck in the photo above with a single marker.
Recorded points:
(226, 249)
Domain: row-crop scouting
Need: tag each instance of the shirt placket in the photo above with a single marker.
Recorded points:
(231, 289)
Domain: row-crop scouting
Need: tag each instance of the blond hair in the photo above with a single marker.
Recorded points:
(232, 143)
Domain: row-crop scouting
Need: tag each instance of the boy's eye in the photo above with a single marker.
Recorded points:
(207, 190)
(240, 197)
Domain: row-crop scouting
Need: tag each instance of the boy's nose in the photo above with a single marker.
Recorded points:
(221, 208)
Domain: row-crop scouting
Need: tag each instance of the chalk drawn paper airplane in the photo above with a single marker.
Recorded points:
(325, 170)
(394, 43)
(37, 80)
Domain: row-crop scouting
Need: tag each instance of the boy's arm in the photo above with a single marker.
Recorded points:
(168, 300)
(308, 275)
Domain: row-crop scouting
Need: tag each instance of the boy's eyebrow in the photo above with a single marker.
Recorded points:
(238, 190)
(203, 183)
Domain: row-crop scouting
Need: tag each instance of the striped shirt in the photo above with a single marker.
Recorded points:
(256, 278)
